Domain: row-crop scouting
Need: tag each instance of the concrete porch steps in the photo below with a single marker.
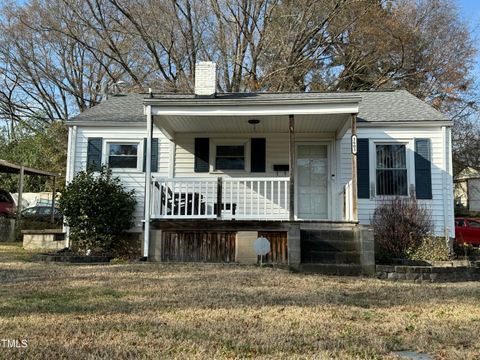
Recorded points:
(329, 247)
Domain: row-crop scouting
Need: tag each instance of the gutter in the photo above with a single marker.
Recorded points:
(411, 123)
(248, 100)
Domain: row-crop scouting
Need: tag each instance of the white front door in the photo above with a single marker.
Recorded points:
(312, 181)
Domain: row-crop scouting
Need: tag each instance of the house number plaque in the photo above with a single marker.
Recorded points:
(354, 144)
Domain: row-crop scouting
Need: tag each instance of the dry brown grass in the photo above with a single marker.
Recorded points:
(212, 311)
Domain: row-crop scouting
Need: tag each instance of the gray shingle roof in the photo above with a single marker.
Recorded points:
(117, 108)
(375, 106)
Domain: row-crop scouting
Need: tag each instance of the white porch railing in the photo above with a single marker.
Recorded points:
(348, 201)
(256, 198)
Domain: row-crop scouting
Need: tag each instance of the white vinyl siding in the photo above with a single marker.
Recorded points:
(366, 207)
(276, 152)
(182, 155)
(131, 178)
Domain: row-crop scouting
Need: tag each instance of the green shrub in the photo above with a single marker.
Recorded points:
(399, 224)
(431, 249)
(98, 211)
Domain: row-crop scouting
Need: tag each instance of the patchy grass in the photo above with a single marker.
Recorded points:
(186, 311)
(13, 251)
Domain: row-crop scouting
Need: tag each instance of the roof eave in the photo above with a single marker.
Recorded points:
(106, 123)
(413, 123)
(248, 100)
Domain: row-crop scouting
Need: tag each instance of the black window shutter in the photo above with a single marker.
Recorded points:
(258, 155)
(154, 158)
(94, 154)
(202, 154)
(363, 169)
(144, 154)
(423, 169)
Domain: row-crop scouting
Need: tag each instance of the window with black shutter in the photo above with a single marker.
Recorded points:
(391, 169)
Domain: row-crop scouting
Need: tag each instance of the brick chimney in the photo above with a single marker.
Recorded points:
(205, 79)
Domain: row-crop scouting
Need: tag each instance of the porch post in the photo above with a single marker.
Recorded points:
(20, 193)
(291, 167)
(148, 182)
(54, 194)
(354, 171)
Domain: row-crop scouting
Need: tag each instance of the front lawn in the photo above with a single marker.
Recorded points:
(147, 310)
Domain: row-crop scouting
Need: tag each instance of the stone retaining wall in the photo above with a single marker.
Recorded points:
(419, 274)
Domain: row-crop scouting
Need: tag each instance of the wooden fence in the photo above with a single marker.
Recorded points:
(278, 247)
(198, 246)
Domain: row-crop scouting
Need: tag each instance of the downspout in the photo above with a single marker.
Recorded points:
(148, 182)
(445, 169)
(70, 171)
(74, 153)
(451, 205)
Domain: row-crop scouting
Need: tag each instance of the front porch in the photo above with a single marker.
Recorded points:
(249, 166)
(248, 159)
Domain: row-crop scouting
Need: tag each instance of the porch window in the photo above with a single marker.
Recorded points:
(391, 170)
(123, 156)
(230, 157)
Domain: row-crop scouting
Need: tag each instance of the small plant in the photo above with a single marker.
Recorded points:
(465, 251)
(431, 249)
(118, 261)
(98, 210)
(400, 224)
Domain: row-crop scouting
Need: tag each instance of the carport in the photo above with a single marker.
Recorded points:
(9, 168)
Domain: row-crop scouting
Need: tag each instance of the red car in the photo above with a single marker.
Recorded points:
(467, 231)
(7, 205)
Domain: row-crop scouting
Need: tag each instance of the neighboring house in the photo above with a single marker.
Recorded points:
(226, 168)
(467, 189)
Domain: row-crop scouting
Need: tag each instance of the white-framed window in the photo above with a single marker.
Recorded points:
(230, 155)
(391, 169)
(123, 155)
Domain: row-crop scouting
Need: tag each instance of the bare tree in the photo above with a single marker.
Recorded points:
(421, 46)
(44, 74)
(55, 54)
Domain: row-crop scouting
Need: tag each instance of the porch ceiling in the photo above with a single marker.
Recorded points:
(231, 115)
(329, 123)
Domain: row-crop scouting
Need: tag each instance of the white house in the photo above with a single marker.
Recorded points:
(467, 189)
(304, 169)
